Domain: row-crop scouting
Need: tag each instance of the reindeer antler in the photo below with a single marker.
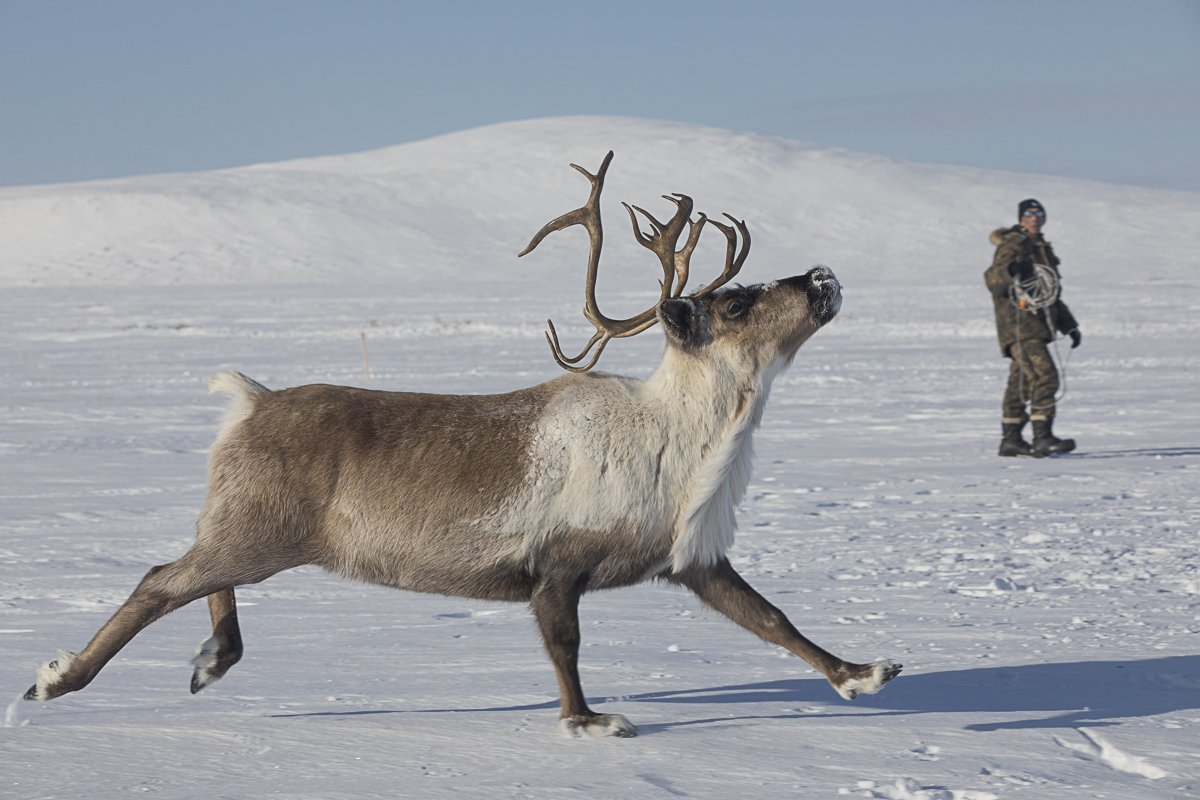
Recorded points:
(662, 242)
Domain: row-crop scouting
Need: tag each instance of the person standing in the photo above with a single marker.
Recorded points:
(1024, 282)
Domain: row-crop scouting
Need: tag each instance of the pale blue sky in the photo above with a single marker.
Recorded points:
(1084, 88)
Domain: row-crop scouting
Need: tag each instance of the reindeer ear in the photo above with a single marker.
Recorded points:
(686, 322)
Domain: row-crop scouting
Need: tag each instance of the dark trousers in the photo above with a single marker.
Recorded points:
(1032, 382)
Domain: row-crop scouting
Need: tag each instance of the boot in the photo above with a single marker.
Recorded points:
(1013, 444)
(1045, 442)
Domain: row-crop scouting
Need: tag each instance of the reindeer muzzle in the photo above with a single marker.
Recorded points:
(823, 290)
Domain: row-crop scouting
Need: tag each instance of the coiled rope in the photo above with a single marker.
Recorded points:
(1040, 290)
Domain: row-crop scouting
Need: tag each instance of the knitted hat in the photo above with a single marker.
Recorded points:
(1026, 205)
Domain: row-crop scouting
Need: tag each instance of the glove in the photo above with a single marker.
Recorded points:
(1022, 271)
(1076, 337)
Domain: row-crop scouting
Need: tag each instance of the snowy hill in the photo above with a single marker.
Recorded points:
(1046, 611)
(462, 205)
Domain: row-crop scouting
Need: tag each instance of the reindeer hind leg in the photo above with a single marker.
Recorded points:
(202, 570)
(162, 590)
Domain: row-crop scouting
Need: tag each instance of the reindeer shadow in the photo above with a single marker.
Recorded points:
(1062, 695)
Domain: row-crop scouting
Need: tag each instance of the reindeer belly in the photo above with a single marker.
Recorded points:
(460, 561)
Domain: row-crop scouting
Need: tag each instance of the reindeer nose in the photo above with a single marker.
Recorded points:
(821, 275)
(823, 289)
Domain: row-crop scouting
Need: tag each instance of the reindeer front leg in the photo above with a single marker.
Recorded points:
(723, 589)
(556, 606)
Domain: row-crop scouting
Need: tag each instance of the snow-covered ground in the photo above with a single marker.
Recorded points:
(1046, 611)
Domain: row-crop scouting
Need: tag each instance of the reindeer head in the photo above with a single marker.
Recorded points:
(758, 324)
(755, 324)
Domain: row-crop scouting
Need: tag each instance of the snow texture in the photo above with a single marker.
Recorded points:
(1046, 611)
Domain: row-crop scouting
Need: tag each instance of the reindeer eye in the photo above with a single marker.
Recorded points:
(736, 308)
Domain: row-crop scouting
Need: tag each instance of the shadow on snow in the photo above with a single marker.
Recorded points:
(1158, 452)
(1063, 695)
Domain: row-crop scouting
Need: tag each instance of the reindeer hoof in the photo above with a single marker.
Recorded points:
(597, 725)
(867, 679)
(49, 678)
(210, 664)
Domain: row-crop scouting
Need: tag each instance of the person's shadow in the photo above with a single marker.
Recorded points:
(1137, 452)
(1062, 695)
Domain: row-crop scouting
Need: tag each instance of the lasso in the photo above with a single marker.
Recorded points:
(1038, 291)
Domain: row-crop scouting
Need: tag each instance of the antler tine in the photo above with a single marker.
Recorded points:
(587, 215)
(734, 257)
(666, 235)
(650, 243)
(556, 348)
(569, 363)
(683, 258)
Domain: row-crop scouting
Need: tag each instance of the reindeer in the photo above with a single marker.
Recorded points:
(588, 481)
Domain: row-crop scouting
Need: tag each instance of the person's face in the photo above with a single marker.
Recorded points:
(1033, 219)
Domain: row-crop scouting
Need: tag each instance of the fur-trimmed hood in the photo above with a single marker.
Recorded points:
(1000, 234)
(1015, 232)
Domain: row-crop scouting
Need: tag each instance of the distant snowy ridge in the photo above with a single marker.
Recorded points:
(460, 207)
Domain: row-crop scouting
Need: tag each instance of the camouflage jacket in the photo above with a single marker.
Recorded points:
(1016, 253)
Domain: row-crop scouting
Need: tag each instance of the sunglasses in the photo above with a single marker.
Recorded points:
(1033, 212)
